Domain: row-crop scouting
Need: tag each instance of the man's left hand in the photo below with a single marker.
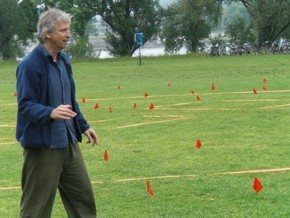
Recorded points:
(92, 136)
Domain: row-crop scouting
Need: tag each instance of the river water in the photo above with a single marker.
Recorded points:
(144, 52)
(150, 48)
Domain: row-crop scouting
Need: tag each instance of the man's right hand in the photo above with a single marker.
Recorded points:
(64, 112)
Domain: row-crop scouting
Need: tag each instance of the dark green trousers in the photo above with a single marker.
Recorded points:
(46, 170)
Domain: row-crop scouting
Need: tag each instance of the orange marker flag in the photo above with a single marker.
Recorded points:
(106, 156)
(84, 99)
(96, 106)
(192, 91)
(265, 88)
(198, 98)
(213, 87)
(119, 87)
(149, 189)
(146, 95)
(151, 107)
(15, 93)
(257, 185)
(134, 106)
(255, 91)
(111, 109)
(169, 84)
(264, 80)
(198, 143)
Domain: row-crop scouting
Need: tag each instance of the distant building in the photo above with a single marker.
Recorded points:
(98, 26)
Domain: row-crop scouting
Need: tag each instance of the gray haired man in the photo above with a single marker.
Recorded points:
(50, 125)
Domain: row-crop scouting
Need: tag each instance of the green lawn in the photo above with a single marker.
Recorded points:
(239, 131)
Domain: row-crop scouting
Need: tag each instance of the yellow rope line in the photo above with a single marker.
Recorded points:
(152, 122)
(174, 176)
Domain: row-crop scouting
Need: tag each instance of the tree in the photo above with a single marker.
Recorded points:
(17, 25)
(189, 21)
(270, 17)
(234, 11)
(126, 17)
(240, 31)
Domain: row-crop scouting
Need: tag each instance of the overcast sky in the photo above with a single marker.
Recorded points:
(165, 3)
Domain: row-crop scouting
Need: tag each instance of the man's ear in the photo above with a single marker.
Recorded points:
(47, 34)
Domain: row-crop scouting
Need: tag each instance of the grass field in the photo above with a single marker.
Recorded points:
(240, 132)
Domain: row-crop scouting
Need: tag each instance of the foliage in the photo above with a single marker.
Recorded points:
(17, 25)
(186, 22)
(239, 31)
(126, 17)
(232, 11)
(189, 21)
(270, 17)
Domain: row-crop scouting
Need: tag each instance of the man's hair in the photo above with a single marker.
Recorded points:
(48, 20)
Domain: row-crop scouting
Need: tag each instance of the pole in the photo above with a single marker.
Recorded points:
(140, 59)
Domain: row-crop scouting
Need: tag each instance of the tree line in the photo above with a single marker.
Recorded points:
(183, 23)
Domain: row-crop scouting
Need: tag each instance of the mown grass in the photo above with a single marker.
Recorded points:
(239, 131)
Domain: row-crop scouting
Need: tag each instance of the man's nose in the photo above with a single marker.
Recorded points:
(68, 33)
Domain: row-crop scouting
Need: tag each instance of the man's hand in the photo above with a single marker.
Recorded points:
(63, 112)
(92, 136)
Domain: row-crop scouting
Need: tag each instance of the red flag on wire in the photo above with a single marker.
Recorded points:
(264, 80)
(149, 189)
(192, 91)
(198, 143)
(255, 91)
(84, 99)
(198, 98)
(106, 156)
(111, 109)
(151, 107)
(119, 87)
(15, 93)
(169, 84)
(146, 95)
(134, 106)
(96, 106)
(257, 185)
(213, 87)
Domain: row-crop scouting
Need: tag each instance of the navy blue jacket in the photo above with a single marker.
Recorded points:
(33, 127)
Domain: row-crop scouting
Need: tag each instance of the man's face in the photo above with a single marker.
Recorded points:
(60, 37)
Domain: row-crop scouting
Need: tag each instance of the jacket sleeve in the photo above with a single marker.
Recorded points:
(30, 93)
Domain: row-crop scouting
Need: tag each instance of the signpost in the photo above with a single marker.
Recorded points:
(138, 39)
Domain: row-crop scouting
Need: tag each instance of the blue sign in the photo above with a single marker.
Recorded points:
(138, 38)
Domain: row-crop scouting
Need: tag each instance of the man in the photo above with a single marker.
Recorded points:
(50, 125)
